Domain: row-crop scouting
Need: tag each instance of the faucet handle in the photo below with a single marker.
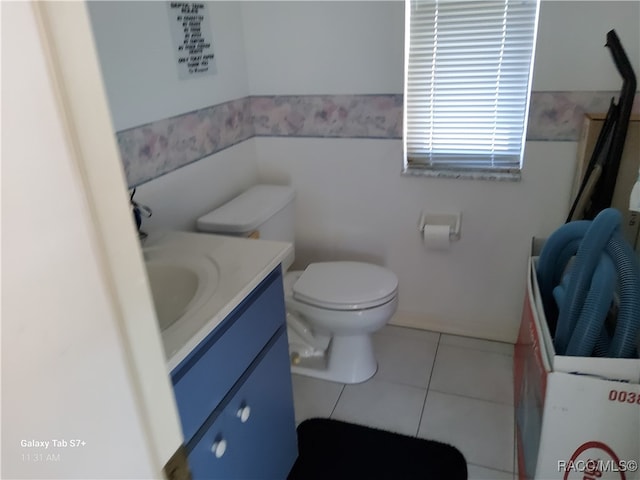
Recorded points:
(139, 211)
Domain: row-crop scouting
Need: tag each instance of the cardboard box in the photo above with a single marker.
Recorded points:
(618, 369)
(576, 417)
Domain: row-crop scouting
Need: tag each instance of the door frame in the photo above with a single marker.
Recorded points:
(81, 95)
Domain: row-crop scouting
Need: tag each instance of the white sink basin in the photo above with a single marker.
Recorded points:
(181, 283)
(227, 270)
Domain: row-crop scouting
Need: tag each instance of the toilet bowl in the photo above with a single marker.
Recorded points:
(332, 307)
(342, 301)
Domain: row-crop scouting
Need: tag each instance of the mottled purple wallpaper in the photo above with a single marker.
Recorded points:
(154, 149)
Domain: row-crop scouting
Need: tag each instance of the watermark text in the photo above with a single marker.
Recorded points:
(595, 467)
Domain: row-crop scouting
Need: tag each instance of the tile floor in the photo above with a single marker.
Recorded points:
(442, 387)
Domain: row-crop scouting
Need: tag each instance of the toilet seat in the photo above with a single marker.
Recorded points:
(345, 285)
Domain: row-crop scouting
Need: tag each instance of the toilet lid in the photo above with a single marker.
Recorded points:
(345, 285)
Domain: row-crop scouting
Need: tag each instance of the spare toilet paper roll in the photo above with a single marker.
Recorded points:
(436, 237)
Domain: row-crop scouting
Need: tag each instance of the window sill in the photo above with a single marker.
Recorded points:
(467, 174)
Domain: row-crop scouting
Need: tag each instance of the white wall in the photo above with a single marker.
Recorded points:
(352, 201)
(139, 67)
(315, 47)
(571, 37)
(319, 47)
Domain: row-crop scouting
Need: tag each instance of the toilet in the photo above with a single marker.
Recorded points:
(332, 307)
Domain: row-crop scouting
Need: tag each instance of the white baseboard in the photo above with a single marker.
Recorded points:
(425, 322)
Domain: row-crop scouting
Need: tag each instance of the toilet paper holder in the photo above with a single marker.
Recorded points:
(453, 220)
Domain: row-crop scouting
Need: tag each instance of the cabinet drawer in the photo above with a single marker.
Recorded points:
(206, 375)
(264, 446)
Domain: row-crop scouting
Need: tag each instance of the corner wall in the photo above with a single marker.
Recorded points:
(140, 74)
(352, 201)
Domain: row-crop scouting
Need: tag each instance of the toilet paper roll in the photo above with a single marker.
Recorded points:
(436, 237)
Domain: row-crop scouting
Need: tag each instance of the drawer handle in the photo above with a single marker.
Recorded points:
(243, 413)
(219, 447)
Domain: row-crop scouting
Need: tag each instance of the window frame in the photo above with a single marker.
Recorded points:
(483, 168)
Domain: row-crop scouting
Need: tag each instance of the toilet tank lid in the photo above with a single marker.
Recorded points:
(248, 210)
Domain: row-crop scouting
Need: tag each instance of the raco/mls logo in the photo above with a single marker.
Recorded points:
(594, 461)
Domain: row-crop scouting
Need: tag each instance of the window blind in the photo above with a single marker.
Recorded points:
(467, 83)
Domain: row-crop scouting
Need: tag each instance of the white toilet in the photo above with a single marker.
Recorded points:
(332, 307)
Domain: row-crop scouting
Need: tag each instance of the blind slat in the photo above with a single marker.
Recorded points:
(467, 82)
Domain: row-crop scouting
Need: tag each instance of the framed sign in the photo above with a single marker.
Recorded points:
(192, 39)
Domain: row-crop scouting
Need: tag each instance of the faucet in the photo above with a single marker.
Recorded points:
(139, 211)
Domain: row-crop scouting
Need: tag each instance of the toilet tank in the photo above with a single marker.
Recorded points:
(263, 211)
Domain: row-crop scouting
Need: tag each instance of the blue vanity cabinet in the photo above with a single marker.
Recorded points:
(264, 445)
(234, 393)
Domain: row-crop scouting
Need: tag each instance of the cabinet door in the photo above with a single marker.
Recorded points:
(203, 379)
(255, 432)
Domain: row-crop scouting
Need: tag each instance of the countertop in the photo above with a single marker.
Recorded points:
(243, 263)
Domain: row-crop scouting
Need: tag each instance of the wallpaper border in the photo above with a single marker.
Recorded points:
(154, 149)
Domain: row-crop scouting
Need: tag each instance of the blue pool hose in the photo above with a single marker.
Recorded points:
(604, 265)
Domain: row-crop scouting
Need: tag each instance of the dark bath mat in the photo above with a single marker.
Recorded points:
(331, 449)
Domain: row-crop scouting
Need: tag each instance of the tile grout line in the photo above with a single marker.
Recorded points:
(426, 393)
(476, 349)
(514, 453)
(337, 400)
(515, 439)
(474, 398)
(489, 468)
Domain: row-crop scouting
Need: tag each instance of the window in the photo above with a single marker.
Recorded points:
(467, 84)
